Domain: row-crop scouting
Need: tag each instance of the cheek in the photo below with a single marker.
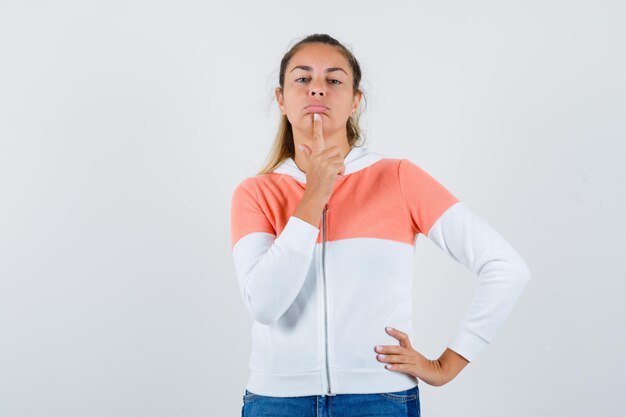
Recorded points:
(290, 100)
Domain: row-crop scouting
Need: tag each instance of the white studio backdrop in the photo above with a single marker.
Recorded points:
(126, 125)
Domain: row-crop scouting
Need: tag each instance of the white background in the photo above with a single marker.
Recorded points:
(126, 125)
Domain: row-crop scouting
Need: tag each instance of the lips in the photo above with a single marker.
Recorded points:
(316, 108)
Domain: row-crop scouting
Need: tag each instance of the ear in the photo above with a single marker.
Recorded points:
(356, 101)
(279, 99)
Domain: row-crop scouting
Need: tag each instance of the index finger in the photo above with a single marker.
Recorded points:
(318, 137)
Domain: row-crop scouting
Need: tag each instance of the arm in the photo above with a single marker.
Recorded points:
(502, 276)
(270, 270)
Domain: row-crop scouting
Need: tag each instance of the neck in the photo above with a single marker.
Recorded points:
(339, 138)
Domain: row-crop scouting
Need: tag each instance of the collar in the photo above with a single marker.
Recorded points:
(358, 158)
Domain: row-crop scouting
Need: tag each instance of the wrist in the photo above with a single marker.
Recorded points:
(313, 200)
(310, 209)
(452, 363)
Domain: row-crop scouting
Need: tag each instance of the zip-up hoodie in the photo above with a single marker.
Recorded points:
(321, 297)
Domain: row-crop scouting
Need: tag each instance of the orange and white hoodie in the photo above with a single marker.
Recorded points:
(321, 297)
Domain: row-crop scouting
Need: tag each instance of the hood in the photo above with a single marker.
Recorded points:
(358, 158)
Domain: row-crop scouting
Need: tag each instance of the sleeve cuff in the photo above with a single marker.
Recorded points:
(299, 235)
(467, 344)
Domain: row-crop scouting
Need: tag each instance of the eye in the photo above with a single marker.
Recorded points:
(333, 81)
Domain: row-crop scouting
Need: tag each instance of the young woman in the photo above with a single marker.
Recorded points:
(323, 243)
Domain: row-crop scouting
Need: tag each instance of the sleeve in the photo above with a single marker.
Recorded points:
(424, 197)
(270, 270)
(453, 227)
(502, 275)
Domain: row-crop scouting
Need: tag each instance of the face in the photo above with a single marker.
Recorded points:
(318, 79)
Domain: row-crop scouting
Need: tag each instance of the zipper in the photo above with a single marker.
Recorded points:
(324, 213)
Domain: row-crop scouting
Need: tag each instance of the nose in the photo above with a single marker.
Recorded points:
(316, 89)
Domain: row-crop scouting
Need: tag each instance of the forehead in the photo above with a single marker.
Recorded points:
(318, 55)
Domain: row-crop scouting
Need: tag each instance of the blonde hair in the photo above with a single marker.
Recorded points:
(283, 146)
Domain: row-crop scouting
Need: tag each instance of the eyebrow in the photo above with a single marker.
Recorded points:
(307, 68)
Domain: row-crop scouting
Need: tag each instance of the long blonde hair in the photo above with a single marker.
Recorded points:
(283, 146)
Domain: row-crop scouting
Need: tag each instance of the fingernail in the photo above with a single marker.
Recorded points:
(316, 116)
(388, 329)
(379, 348)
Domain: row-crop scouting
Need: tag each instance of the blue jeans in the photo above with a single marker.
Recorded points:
(384, 404)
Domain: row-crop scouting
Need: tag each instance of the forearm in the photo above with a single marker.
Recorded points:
(270, 271)
(501, 271)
